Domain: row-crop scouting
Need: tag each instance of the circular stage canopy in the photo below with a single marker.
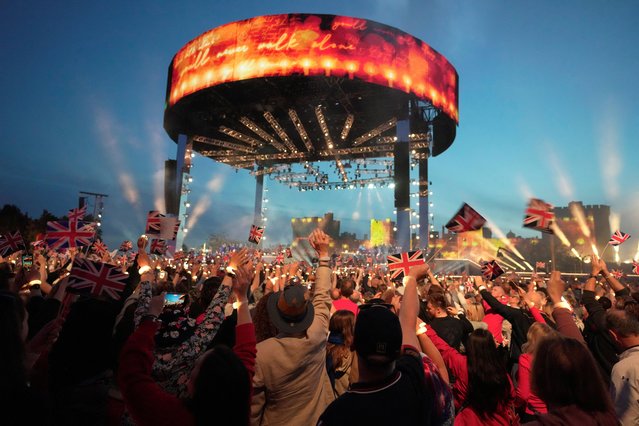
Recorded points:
(283, 89)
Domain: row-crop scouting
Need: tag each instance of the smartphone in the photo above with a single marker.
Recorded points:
(174, 298)
(27, 261)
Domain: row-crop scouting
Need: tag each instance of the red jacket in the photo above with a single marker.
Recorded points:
(524, 395)
(145, 400)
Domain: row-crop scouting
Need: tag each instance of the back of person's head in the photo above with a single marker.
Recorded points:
(347, 287)
(209, 287)
(340, 340)
(565, 373)
(83, 348)
(335, 293)
(438, 300)
(356, 297)
(624, 322)
(378, 336)
(488, 383)
(605, 303)
(474, 311)
(221, 389)
(264, 328)
(536, 333)
(13, 377)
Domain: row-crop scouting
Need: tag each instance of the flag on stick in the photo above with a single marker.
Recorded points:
(100, 248)
(401, 263)
(466, 219)
(97, 278)
(69, 234)
(77, 213)
(618, 237)
(153, 222)
(11, 243)
(126, 245)
(491, 270)
(255, 234)
(158, 246)
(539, 216)
(635, 267)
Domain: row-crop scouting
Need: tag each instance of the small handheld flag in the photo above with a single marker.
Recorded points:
(255, 234)
(400, 264)
(158, 246)
(126, 245)
(100, 248)
(77, 213)
(491, 270)
(11, 243)
(466, 219)
(97, 278)
(539, 216)
(635, 267)
(618, 237)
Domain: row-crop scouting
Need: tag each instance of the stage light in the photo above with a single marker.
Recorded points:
(391, 185)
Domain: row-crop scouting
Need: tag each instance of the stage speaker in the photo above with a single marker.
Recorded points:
(171, 197)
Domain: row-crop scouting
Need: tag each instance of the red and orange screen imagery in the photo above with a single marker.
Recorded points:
(315, 45)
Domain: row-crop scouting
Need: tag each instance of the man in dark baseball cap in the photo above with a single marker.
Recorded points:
(391, 370)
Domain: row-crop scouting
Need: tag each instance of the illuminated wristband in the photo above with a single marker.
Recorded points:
(407, 279)
(144, 269)
(422, 328)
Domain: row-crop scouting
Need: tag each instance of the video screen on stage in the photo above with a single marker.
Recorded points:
(314, 45)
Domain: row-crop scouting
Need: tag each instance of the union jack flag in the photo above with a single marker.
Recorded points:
(169, 227)
(100, 248)
(11, 243)
(279, 259)
(69, 234)
(158, 246)
(617, 238)
(616, 273)
(97, 278)
(466, 219)
(539, 216)
(491, 270)
(179, 255)
(255, 234)
(401, 263)
(153, 223)
(126, 245)
(635, 267)
(540, 265)
(77, 213)
(39, 243)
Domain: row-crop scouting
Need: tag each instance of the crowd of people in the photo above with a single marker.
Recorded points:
(229, 339)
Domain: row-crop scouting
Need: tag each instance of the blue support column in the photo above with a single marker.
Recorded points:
(402, 184)
(424, 218)
(183, 168)
(259, 193)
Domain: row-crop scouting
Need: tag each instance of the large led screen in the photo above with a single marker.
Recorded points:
(314, 45)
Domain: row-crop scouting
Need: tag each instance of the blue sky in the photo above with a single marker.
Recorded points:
(548, 107)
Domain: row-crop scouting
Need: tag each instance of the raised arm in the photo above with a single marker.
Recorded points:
(561, 309)
(614, 283)
(504, 310)
(410, 305)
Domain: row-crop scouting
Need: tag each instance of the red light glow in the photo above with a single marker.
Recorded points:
(315, 45)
